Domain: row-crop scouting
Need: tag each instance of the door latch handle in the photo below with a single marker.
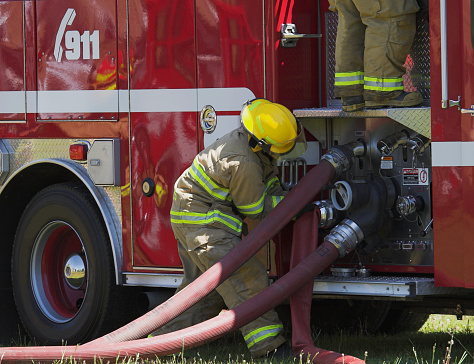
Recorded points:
(468, 111)
(289, 35)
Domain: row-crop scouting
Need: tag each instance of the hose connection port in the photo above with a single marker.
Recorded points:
(345, 237)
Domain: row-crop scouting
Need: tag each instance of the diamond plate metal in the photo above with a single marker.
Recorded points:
(24, 151)
(331, 33)
(417, 77)
(416, 118)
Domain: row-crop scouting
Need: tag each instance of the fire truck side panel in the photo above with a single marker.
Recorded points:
(47, 102)
(230, 52)
(294, 73)
(77, 53)
(12, 58)
(467, 127)
(452, 139)
(229, 43)
(163, 126)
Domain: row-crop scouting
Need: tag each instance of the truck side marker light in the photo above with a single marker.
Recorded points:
(78, 152)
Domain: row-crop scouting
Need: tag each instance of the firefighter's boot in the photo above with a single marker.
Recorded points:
(352, 103)
(402, 99)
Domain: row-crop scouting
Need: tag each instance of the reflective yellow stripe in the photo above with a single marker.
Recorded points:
(276, 200)
(198, 218)
(349, 74)
(383, 84)
(349, 78)
(254, 104)
(271, 183)
(262, 333)
(197, 172)
(257, 207)
(259, 124)
(253, 208)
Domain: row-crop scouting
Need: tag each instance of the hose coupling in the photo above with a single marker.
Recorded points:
(359, 147)
(407, 205)
(345, 237)
(329, 214)
(387, 145)
(339, 158)
(416, 143)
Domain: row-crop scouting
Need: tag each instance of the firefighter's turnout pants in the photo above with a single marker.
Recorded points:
(226, 182)
(373, 40)
(261, 335)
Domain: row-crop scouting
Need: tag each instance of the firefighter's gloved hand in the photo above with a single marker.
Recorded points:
(309, 207)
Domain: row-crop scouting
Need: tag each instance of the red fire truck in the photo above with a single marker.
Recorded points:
(104, 103)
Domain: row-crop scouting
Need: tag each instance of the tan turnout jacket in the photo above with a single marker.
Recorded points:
(226, 182)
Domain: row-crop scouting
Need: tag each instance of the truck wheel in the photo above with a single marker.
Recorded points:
(62, 271)
(401, 320)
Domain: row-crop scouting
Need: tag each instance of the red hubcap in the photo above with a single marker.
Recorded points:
(55, 248)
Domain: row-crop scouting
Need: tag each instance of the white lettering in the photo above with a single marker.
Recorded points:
(73, 45)
(73, 40)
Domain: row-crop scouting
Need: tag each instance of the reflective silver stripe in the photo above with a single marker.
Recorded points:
(349, 78)
(254, 208)
(198, 218)
(257, 207)
(197, 171)
(383, 84)
(262, 333)
(276, 200)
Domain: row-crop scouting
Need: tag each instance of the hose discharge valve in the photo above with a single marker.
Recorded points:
(342, 156)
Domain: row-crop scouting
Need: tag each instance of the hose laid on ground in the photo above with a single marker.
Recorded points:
(305, 241)
(105, 347)
(198, 334)
(302, 194)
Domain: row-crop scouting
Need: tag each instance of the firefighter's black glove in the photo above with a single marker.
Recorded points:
(309, 207)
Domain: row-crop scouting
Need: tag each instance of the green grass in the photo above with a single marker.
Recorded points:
(427, 346)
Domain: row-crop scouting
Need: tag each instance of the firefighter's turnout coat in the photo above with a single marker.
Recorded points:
(226, 182)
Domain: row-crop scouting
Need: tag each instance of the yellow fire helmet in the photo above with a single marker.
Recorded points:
(273, 129)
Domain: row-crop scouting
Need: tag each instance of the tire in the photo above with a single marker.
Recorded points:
(400, 320)
(62, 269)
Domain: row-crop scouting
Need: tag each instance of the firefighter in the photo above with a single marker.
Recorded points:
(231, 179)
(373, 40)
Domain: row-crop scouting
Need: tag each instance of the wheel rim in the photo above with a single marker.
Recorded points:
(59, 271)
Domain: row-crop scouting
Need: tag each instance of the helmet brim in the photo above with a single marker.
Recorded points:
(293, 148)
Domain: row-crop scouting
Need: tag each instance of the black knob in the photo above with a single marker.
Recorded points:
(148, 187)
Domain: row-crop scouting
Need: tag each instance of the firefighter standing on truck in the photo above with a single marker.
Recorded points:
(231, 179)
(373, 40)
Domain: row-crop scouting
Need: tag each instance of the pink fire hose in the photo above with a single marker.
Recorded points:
(309, 267)
(302, 194)
(211, 329)
(305, 241)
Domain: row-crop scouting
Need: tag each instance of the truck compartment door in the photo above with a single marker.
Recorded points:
(453, 144)
(12, 59)
(163, 122)
(230, 53)
(77, 60)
